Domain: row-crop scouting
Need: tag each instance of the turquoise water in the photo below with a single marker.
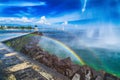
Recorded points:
(98, 58)
(106, 59)
(101, 59)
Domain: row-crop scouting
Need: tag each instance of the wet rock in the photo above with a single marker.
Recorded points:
(88, 75)
(99, 78)
(76, 77)
(64, 66)
(85, 73)
(97, 73)
(70, 72)
(110, 77)
(66, 63)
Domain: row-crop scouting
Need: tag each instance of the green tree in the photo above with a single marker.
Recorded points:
(2, 27)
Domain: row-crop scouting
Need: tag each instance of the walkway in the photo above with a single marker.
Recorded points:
(24, 68)
(11, 36)
(17, 65)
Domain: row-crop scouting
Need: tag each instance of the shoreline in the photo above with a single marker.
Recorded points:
(65, 66)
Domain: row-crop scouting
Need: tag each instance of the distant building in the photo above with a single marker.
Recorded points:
(5, 27)
(36, 28)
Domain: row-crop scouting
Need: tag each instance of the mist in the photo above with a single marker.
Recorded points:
(57, 48)
(96, 35)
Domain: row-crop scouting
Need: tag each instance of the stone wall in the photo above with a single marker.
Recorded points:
(28, 46)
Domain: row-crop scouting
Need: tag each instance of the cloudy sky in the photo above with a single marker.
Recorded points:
(57, 11)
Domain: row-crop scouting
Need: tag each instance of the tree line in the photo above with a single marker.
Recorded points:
(17, 27)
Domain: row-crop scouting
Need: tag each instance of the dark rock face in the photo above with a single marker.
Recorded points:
(63, 66)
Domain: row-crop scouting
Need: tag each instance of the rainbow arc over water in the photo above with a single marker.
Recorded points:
(67, 48)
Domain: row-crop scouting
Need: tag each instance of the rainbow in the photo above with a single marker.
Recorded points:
(69, 49)
(73, 53)
(85, 45)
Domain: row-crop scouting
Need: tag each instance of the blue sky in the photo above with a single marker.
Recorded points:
(57, 11)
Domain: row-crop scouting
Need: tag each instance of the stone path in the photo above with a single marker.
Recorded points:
(12, 37)
(19, 67)
(23, 68)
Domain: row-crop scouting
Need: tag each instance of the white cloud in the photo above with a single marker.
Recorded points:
(43, 20)
(24, 20)
(15, 20)
(24, 4)
(32, 4)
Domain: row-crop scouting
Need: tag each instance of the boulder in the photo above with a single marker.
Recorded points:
(63, 66)
(76, 77)
(110, 77)
(99, 78)
(88, 75)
